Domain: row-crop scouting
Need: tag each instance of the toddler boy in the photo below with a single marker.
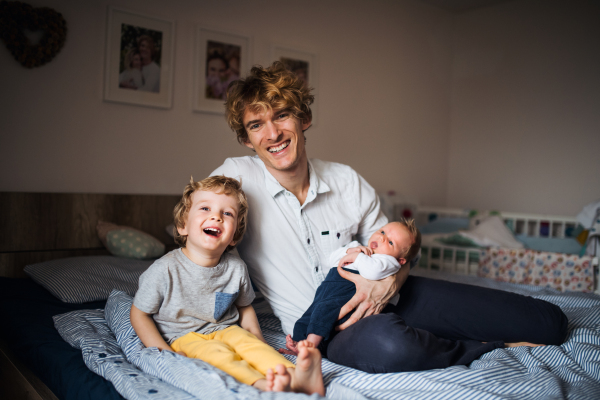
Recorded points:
(192, 299)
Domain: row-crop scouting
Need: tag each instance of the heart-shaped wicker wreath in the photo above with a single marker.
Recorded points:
(16, 17)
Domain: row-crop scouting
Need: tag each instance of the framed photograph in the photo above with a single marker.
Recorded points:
(139, 59)
(305, 65)
(220, 59)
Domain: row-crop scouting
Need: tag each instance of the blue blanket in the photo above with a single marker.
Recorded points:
(111, 349)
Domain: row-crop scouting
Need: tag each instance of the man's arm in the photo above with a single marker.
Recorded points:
(249, 321)
(146, 329)
(371, 296)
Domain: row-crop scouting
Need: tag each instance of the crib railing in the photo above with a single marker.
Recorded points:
(536, 225)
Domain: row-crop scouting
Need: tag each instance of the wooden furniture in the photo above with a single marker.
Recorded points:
(37, 227)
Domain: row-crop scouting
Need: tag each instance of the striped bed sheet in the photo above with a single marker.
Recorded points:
(572, 370)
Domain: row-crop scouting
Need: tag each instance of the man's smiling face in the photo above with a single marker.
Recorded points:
(277, 137)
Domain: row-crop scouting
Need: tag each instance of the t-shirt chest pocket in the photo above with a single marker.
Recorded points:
(222, 303)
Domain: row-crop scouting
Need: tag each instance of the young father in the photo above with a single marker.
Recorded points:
(301, 210)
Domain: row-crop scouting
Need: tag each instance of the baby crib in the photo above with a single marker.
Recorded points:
(465, 260)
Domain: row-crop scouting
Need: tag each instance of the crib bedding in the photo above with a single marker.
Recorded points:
(29, 333)
(571, 370)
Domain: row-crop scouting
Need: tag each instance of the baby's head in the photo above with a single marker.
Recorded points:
(211, 213)
(399, 239)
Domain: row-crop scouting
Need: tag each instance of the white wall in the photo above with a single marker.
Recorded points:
(525, 131)
(384, 103)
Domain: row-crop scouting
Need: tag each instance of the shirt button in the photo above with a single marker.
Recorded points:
(308, 240)
(316, 269)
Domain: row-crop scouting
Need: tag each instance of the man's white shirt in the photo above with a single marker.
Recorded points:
(287, 244)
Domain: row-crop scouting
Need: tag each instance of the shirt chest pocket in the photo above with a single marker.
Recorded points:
(222, 303)
(334, 238)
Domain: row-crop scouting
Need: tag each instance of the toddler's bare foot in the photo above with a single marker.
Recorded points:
(279, 380)
(292, 346)
(519, 344)
(308, 377)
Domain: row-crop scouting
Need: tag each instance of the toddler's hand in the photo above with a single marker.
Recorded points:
(360, 249)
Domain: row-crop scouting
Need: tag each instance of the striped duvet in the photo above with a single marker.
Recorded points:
(111, 349)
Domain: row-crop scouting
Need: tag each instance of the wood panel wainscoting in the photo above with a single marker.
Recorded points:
(36, 227)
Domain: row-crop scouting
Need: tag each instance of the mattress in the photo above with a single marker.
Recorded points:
(28, 331)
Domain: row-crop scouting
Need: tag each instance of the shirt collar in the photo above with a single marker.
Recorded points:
(317, 185)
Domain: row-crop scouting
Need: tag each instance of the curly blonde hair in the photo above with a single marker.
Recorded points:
(266, 89)
(217, 184)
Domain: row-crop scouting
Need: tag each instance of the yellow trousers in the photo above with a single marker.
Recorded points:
(233, 350)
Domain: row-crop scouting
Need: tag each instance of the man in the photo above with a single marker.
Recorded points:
(301, 210)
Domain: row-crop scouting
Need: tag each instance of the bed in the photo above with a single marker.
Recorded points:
(52, 346)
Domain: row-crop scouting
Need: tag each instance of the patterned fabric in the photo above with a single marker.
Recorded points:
(131, 243)
(111, 349)
(92, 278)
(556, 270)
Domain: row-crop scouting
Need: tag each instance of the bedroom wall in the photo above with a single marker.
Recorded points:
(384, 103)
(525, 128)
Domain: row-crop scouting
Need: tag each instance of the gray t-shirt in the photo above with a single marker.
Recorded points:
(185, 297)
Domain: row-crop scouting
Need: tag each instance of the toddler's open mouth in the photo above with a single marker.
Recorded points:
(212, 232)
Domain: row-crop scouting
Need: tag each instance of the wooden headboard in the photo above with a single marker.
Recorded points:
(37, 227)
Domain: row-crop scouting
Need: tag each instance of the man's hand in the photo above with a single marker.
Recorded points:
(360, 249)
(371, 296)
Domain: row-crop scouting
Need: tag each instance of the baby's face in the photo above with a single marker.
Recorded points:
(393, 239)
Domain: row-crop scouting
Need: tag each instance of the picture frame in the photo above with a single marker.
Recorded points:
(219, 58)
(139, 59)
(305, 63)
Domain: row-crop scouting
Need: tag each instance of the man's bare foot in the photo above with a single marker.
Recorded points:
(279, 380)
(292, 346)
(308, 377)
(519, 344)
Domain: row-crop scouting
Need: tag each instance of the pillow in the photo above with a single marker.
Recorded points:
(492, 231)
(170, 230)
(91, 278)
(477, 217)
(444, 225)
(123, 241)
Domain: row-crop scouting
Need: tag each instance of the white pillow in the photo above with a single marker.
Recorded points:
(492, 231)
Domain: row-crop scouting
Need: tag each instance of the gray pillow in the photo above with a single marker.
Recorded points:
(91, 278)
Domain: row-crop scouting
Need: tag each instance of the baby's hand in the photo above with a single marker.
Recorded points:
(348, 259)
(360, 249)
